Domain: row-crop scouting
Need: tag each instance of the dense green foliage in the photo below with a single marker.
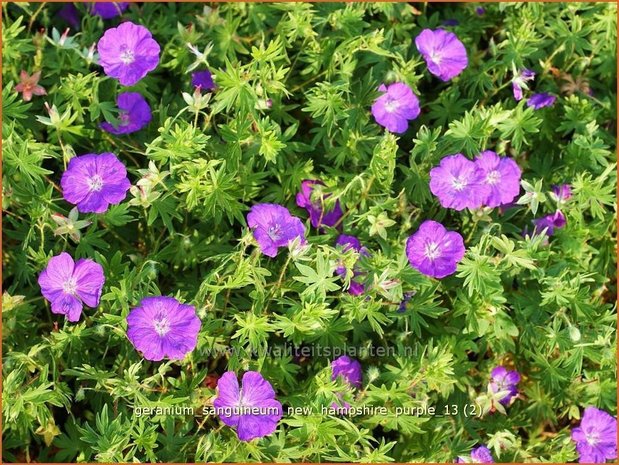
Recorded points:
(543, 307)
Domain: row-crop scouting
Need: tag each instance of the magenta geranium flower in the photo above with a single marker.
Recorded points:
(519, 82)
(163, 327)
(108, 10)
(203, 80)
(134, 114)
(251, 408)
(94, 182)
(67, 285)
(128, 53)
(504, 380)
(479, 454)
(562, 193)
(459, 183)
(435, 251)
(596, 437)
(311, 198)
(501, 175)
(351, 242)
(550, 223)
(541, 100)
(396, 107)
(348, 369)
(274, 227)
(445, 55)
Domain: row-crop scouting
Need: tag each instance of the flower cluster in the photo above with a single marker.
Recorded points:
(445, 57)
(490, 181)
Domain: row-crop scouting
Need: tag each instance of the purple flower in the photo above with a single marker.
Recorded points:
(395, 107)
(501, 175)
(459, 183)
(108, 10)
(562, 192)
(480, 11)
(341, 406)
(163, 327)
(203, 80)
(252, 409)
(596, 437)
(311, 198)
(67, 285)
(405, 300)
(128, 53)
(550, 222)
(444, 53)
(435, 251)
(70, 15)
(520, 81)
(134, 114)
(542, 100)
(351, 242)
(347, 368)
(274, 227)
(479, 454)
(503, 380)
(93, 182)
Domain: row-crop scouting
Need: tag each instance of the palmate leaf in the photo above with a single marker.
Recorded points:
(318, 281)
(24, 157)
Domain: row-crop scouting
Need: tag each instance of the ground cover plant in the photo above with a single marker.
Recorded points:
(298, 232)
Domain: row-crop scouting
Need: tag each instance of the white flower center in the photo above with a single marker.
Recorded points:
(127, 57)
(432, 250)
(162, 326)
(70, 286)
(493, 177)
(124, 118)
(458, 184)
(95, 183)
(592, 438)
(436, 57)
(275, 232)
(391, 106)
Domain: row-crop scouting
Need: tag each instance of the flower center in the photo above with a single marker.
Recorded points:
(162, 326)
(500, 385)
(432, 250)
(127, 57)
(70, 286)
(391, 106)
(494, 177)
(95, 183)
(593, 438)
(275, 232)
(458, 184)
(436, 57)
(124, 118)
